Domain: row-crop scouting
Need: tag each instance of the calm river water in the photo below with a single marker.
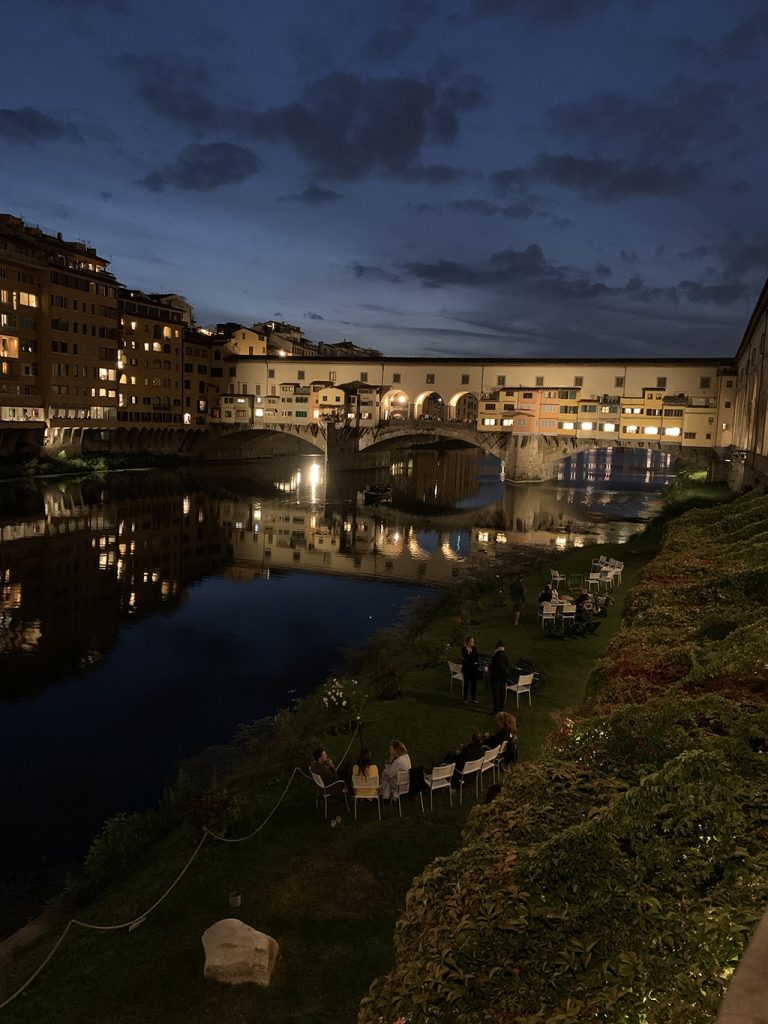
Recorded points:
(144, 615)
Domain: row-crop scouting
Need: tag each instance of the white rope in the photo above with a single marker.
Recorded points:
(134, 922)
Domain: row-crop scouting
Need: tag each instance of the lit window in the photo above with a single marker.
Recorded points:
(650, 430)
(586, 425)
(672, 431)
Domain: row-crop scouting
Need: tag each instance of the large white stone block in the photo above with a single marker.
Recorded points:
(235, 953)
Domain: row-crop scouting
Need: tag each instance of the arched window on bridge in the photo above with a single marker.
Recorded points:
(395, 405)
(431, 406)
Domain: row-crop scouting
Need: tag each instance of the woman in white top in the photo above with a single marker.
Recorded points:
(399, 761)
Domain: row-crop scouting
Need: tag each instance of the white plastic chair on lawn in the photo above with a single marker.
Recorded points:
(440, 779)
(607, 577)
(523, 685)
(547, 611)
(617, 567)
(366, 787)
(403, 788)
(331, 790)
(557, 577)
(456, 674)
(470, 768)
(489, 763)
(569, 613)
(593, 581)
(599, 563)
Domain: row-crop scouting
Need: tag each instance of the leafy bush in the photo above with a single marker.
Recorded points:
(114, 851)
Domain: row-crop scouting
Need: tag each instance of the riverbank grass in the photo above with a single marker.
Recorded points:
(330, 895)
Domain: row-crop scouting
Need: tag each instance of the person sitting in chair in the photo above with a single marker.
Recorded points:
(365, 768)
(585, 606)
(507, 731)
(399, 761)
(323, 766)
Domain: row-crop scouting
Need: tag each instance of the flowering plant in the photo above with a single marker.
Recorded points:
(343, 699)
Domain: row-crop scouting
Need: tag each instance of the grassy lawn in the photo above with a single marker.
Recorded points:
(329, 896)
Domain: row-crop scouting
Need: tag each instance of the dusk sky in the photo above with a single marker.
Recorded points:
(508, 178)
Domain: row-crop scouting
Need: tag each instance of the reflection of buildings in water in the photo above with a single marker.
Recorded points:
(270, 535)
(643, 466)
(70, 575)
(438, 478)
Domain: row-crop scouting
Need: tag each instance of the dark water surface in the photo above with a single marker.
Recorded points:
(145, 615)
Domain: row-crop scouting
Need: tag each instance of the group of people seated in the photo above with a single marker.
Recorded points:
(481, 742)
(384, 784)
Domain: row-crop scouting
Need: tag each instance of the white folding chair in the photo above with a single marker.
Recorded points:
(593, 580)
(440, 778)
(456, 674)
(469, 769)
(489, 764)
(557, 577)
(547, 610)
(331, 790)
(523, 685)
(569, 613)
(366, 787)
(403, 788)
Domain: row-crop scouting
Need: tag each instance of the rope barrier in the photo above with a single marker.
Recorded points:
(136, 921)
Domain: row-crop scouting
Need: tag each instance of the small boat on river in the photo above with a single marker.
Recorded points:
(375, 495)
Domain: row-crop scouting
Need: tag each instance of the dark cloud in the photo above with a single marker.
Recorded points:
(750, 34)
(628, 256)
(528, 272)
(715, 294)
(603, 270)
(343, 125)
(610, 180)
(313, 195)
(313, 316)
(375, 273)
(27, 126)
(541, 13)
(347, 127)
(697, 253)
(516, 211)
(425, 208)
(201, 168)
(106, 196)
(387, 44)
(176, 88)
(688, 114)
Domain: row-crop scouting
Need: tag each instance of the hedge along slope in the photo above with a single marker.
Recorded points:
(619, 878)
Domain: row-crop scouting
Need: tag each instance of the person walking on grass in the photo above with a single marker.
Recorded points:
(518, 594)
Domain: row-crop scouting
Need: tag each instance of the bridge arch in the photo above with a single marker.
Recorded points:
(395, 405)
(430, 405)
(463, 406)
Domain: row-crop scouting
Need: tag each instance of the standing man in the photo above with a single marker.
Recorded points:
(498, 673)
(518, 595)
(470, 669)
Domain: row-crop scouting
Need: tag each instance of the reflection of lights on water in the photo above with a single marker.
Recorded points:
(256, 513)
(186, 504)
(501, 538)
(561, 542)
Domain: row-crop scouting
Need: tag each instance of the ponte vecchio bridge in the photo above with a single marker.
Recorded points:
(528, 413)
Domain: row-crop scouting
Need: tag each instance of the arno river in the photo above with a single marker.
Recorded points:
(144, 615)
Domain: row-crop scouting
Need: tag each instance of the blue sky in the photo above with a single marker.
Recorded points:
(490, 177)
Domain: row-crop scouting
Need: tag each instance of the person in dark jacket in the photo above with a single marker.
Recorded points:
(470, 669)
(518, 594)
(498, 673)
